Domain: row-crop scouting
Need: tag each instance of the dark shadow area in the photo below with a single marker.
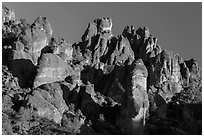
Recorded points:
(25, 71)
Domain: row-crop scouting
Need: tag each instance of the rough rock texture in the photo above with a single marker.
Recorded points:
(59, 47)
(36, 38)
(135, 103)
(104, 84)
(51, 69)
(23, 43)
(143, 44)
(98, 26)
(7, 14)
(49, 102)
(73, 120)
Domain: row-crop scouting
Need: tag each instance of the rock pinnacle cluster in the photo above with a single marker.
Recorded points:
(101, 85)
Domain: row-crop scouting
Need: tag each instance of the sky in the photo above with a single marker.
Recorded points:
(178, 26)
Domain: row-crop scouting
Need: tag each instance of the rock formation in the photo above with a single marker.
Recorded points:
(104, 84)
(135, 102)
(7, 14)
(51, 69)
(49, 102)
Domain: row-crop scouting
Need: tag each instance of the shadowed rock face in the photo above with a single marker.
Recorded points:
(122, 85)
(143, 44)
(136, 103)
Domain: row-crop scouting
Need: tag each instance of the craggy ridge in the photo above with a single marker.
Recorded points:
(101, 85)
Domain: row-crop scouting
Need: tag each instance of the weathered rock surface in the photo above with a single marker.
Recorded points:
(104, 84)
(135, 104)
(36, 38)
(7, 14)
(73, 121)
(51, 69)
(143, 44)
(49, 102)
(98, 26)
(25, 45)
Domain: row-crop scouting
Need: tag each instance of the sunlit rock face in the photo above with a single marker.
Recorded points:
(35, 38)
(41, 33)
(167, 75)
(115, 81)
(25, 51)
(136, 104)
(166, 69)
(48, 102)
(98, 44)
(64, 50)
(96, 40)
(98, 26)
(51, 69)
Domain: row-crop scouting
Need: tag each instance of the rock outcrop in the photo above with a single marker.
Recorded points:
(25, 45)
(104, 84)
(49, 102)
(51, 69)
(7, 14)
(135, 103)
(34, 39)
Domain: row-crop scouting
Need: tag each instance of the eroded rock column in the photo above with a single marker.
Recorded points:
(135, 103)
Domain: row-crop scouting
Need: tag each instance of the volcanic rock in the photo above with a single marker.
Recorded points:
(49, 102)
(51, 69)
(33, 39)
(122, 52)
(64, 50)
(166, 68)
(7, 14)
(149, 49)
(135, 104)
(115, 81)
(25, 47)
(115, 84)
(98, 26)
(73, 121)
(142, 42)
(37, 37)
(8, 81)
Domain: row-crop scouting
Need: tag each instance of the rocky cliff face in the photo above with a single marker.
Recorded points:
(101, 85)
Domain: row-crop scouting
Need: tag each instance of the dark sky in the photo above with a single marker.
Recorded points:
(178, 26)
